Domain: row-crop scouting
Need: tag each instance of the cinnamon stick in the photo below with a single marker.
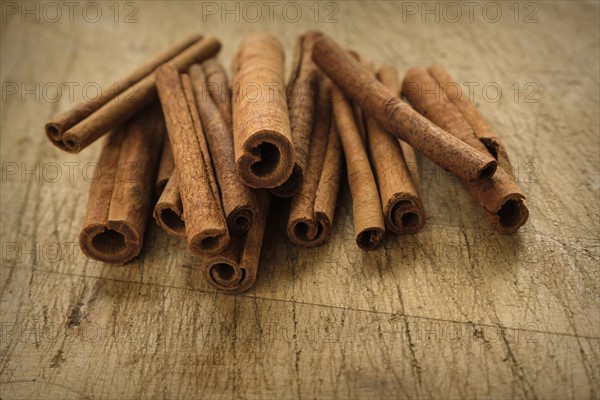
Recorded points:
(235, 269)
(359, 116)
(500, 197)
(218, 88)
(165, 167)
(123, 105)
(119, 199)
(71, 117)
(168, 211)
(369, 225)
(301, 96)
(313, 207)
(239, 201)
(397, 117)
(264, 151)
(399, 193)
(205, 225)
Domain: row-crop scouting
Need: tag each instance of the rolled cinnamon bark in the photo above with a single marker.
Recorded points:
(301, 97)
(359, 116)
(168, 211)
(205, 225)
(264, 151)
(125, 104)
(399, 193)
(239, 201)
(69, 118)
(165, 168)
(235, 269)
(500, 197)
(369, 226)
(313, 207)
(218, 88)
(397, 117)
(119, 199)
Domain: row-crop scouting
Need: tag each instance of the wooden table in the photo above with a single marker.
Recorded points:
(455, 311)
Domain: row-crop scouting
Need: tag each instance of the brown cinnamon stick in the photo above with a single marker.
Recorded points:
(264, 151)
(165, 167)
(120, 196)
(399, 193)
(501, 198)
(301, 97)
(206, 228)
(359, 116)
(369, 225)
(123, 105)
(168, 211)
(239, 201)
(235, 269)
(218, 88)
(397, 117)
(71, 117)
(313, 207)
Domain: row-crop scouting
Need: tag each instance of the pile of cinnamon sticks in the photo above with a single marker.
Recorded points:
(206, 156)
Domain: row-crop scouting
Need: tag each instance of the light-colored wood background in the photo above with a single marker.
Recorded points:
(456, 311)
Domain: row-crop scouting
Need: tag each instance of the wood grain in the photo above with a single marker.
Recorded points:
(455, 311)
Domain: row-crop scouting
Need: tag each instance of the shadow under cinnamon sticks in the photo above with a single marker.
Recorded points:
(502, 201)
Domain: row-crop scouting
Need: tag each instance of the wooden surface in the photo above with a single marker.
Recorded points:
(456, 311)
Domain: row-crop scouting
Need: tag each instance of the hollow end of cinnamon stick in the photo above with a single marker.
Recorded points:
(268, 160)
(54, 132)
(227, 276)
(264, 150)
(235, 269)
(115, 243)
(369, 239)
(512, 214)
(239, 220)
(209, 241)
(71, 143)
(307, 233)
(404, 214)
(170, 219)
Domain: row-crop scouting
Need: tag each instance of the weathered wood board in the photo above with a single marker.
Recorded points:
(455, 311)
